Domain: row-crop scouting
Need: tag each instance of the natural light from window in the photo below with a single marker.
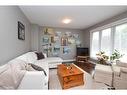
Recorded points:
(95, 44)
(109, 39)
(106, 41)
(121, 40)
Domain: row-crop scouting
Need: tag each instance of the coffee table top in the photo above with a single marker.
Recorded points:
(63, 71)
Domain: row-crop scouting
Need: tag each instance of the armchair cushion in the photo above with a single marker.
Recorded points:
(124, 70)
(121, 64)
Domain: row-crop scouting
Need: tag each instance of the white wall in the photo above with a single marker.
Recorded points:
(10, 45)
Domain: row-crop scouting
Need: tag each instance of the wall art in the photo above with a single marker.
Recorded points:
(21, 31)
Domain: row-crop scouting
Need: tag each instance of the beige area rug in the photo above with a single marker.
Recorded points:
(54, 83)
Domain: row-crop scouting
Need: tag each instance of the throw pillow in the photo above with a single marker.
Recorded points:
(33, 67)
(40, 55)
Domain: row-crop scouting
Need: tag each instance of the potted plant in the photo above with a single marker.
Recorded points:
(102, 58)
(116, 56)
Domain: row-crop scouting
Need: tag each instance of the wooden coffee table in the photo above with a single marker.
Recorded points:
(70, 77)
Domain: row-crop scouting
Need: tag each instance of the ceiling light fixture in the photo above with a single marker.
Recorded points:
(66, 21)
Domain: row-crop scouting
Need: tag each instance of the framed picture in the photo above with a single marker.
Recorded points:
(66, 50)
(48, 31)
(45, 39)
(64, 41)
(21, 31)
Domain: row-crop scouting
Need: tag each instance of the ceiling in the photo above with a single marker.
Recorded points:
(82, 16)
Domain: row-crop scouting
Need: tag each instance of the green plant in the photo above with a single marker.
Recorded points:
(116, 55)
(102, 57)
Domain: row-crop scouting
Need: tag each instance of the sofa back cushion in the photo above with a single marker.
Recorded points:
(29, 57)
(121, 64)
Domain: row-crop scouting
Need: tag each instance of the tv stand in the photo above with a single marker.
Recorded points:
(82, 58)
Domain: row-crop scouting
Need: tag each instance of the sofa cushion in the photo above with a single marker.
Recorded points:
(51, 60)
(39, 55)
(44, 65)
(33, 80)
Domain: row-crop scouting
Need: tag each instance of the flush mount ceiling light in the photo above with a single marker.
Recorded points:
(66, 21)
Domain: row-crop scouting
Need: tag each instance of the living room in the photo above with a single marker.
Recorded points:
(56, 38)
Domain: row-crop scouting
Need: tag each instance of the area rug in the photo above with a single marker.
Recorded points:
(54, 83)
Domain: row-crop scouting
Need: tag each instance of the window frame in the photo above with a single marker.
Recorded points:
(100, 29)
(91, 42)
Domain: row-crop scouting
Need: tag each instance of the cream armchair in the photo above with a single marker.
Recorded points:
(120, 75)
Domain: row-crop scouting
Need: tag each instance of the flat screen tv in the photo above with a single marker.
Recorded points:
(82, 51)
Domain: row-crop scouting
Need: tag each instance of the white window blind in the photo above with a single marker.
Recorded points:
(121, 39)
(106, 41)
(95, 44)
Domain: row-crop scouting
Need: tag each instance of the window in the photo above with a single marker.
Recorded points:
(95, 44)
(109, 39)
(121, 39)
(106, 41)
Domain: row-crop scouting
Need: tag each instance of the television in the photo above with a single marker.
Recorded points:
(81, 51)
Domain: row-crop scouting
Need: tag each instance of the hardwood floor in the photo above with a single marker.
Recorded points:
(86, 66)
